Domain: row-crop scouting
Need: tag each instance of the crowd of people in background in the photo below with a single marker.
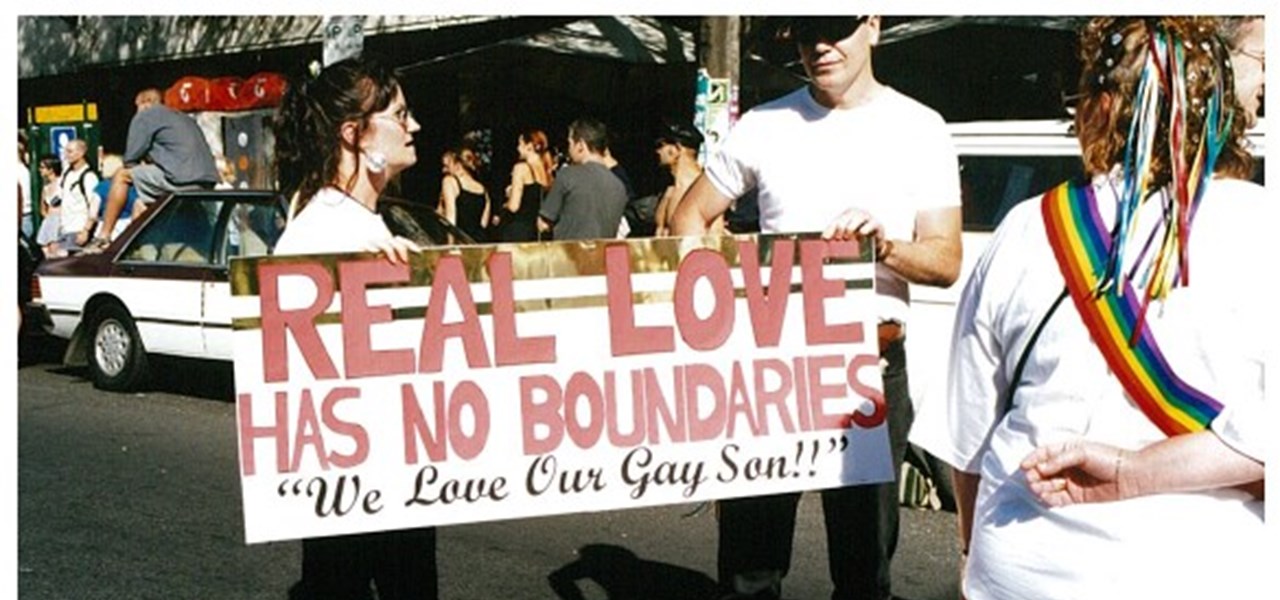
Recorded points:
(477, 200)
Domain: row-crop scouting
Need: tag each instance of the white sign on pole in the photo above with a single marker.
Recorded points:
(343, 38)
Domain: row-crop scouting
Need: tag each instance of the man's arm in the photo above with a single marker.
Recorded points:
(699, 208)
(933, 257)
(137, 143)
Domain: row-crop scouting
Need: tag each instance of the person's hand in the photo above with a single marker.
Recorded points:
(855, 225)
(82, 238)
(1075, 472)
(396, 249)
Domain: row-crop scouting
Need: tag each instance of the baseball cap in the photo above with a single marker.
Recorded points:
(676, 133)
(809, 30)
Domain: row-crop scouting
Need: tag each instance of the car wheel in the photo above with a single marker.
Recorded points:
(117, 360)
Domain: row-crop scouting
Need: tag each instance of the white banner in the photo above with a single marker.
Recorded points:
(499, 382)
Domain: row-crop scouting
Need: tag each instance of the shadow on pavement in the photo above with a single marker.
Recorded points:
(625, 576)
(207, 379)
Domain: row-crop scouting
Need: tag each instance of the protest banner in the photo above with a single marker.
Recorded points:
(516, 380)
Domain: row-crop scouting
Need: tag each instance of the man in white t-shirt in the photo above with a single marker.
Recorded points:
(854, 159)
(75, 188)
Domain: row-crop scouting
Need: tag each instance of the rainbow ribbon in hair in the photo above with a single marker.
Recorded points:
(1163, 86)
(1092, 254)
(1083, 246)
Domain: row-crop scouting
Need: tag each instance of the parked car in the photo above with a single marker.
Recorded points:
(1001, 164)
(162, 287)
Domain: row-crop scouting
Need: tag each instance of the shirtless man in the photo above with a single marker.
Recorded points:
(677, 150)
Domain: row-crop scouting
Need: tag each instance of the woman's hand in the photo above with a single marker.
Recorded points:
(396, 249)
(1076, 472)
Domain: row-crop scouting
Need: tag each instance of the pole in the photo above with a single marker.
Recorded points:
(716, 105)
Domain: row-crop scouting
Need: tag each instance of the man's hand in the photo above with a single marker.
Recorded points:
(855, 225)
(82, 237)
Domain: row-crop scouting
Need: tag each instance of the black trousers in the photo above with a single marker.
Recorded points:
(402, 564)
(756, 533)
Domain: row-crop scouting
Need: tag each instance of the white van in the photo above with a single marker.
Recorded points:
(1001, 163)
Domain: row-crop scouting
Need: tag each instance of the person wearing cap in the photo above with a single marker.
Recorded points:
(876, 166)
(677, 149)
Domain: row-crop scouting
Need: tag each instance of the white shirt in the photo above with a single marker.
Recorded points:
(332, 222)
(891, 157)
(1170, 545)
(76, 199)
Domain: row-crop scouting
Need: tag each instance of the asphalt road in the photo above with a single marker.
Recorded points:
(136, 496)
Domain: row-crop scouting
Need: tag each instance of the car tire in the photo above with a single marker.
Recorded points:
(117, 359)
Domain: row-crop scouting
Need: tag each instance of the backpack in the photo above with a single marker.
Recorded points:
(80, 182)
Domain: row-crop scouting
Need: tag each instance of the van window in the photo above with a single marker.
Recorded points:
(991, 185)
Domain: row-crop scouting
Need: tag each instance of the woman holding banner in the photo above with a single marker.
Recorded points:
(1067, 488)
(340, 137)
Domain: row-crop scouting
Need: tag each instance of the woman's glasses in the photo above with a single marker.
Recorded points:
(402, 116)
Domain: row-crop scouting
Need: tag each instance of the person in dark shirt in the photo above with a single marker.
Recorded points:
(587, 199)
(165, 153)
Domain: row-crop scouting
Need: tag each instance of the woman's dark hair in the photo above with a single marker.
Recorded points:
(52, 163)
(308, 143)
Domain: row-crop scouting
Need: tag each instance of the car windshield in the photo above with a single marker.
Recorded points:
(208, 230)
(182, 233)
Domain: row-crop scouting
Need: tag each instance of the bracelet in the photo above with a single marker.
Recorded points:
(884, 249)
(1116, 475)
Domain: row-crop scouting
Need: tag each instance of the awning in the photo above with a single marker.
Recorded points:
(60, 45)
(914, 27)
(642, 40)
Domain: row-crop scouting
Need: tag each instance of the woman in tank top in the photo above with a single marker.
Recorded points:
(463, 199)
(531, 177)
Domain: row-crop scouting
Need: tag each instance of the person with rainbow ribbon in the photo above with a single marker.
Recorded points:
(1113, 446)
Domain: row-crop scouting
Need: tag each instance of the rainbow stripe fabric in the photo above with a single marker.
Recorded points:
(1081, 241)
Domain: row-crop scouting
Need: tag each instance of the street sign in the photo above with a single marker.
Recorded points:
(58, 138)
(715, 110)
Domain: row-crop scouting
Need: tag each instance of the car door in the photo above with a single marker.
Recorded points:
(160, 275)
(247, 227)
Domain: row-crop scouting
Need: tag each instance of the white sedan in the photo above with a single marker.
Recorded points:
(162, 287)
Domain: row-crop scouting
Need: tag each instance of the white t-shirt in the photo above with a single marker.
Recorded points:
(891, 157)
(332, 222)
(76, 199)
(1202, 545)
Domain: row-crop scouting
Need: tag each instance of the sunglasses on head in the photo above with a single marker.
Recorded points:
(811, 30)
